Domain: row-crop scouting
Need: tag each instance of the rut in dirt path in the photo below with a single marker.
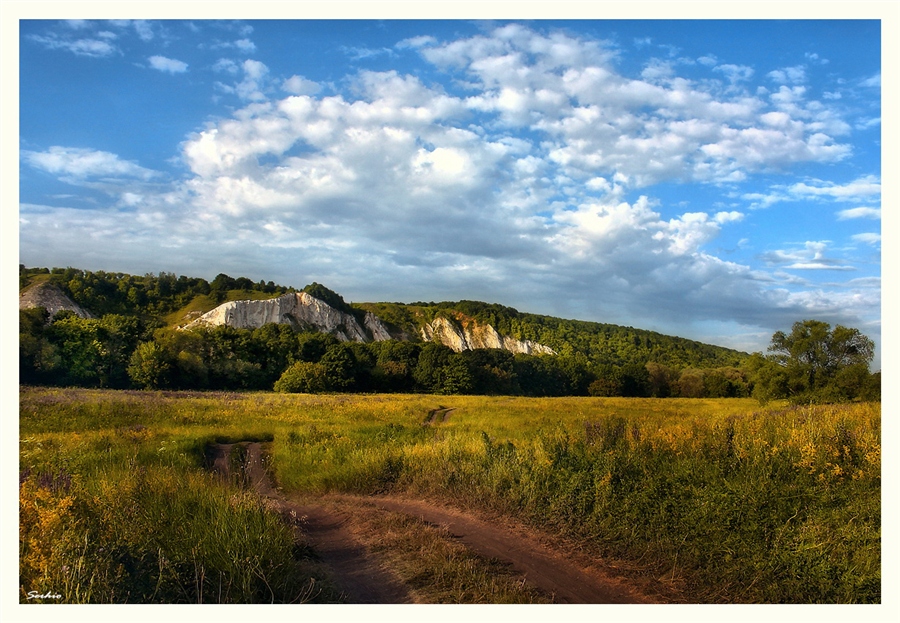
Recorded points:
(356, 573)
(436, 416)
(563, 579)
(364, 580)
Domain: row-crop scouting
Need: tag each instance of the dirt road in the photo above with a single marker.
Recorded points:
(564, 575)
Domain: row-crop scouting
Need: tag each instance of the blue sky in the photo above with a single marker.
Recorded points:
(716, 179)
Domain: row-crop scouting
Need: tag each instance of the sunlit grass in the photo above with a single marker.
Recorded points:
(742, 504)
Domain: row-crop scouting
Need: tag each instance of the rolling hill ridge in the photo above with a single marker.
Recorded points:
(162, 331)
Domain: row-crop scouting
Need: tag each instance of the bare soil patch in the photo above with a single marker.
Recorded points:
(565, 577)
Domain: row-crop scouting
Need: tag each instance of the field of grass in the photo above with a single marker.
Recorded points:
(732, 502)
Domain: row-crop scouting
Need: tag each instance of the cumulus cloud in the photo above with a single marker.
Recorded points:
(169, 65)
(789, 75)
(446, 178)
(735, 73)
(253, 84)
(864, 189)
(143, 29)
(533, 174)
(298, 85)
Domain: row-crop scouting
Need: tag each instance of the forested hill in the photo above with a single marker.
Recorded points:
(139, 316)
(164, 299)
(599, 343)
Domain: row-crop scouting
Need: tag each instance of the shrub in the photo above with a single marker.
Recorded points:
(304, 378)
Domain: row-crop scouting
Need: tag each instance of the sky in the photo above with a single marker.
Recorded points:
(717, 180)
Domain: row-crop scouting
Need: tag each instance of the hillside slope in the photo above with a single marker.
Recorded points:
(165, 299)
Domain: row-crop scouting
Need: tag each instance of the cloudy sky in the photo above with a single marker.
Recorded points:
(717, 180)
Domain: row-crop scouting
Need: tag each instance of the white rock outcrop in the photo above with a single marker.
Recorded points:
(472, 335)
(52, 299)
(301, 311)
(307, 313)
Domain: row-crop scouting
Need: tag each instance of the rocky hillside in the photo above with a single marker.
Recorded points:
(305, 312)
(301, 311)
(462, 325)
(52, 299)
(468, 334)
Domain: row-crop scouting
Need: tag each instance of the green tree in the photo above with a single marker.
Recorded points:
(303, 377)
(814, 363)
(39, 359)
(150, 366)
(455, 377)
(340, 365)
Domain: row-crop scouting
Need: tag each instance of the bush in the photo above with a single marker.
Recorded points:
(303, 378)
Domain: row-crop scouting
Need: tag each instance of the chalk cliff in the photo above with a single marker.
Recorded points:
(307, 313)
(469, 335)
(300, 310)
(52, 299)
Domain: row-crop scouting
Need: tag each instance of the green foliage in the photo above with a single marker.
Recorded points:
(340, 366)
(817, 364)
(334, 299)
(150, 367)
(147, 296)
(303, 377)
(126, 347)
(154, 535)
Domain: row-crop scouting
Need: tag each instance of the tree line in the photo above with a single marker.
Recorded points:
(121, 352)
(130, 346)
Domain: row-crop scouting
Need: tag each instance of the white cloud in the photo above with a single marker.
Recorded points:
(813, 256)
(789, 75)
(729, 217)
(812, 56)
(227, 65)
(298, 85)
(522, 177)
(869, 238)
(80, 164)
(169, 65)
(81, 47)
(735, 73)
(648, 130)
(852, 213)
(143, 29)
(873, 81)
(868, 187)
(416, 42)
(360, 53)
(252, 86)
(864, 189)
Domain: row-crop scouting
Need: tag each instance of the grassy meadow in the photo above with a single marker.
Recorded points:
(730, 502)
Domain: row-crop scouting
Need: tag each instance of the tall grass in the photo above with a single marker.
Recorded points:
(779, 505)
(119, 509)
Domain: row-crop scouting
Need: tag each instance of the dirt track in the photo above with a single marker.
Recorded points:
(436, 416)
(363, 580)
